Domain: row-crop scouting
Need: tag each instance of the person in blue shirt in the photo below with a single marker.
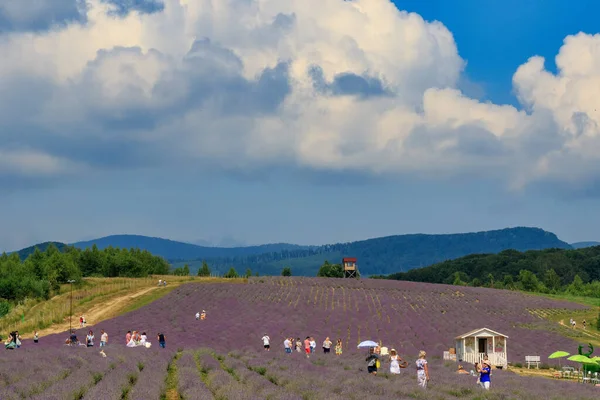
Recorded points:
(484, 374)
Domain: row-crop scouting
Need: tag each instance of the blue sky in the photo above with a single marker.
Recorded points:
(327, 122)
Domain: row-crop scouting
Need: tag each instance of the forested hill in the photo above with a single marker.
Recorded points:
(550, 270)
(26, 252)
(173, 250)
(392, 253)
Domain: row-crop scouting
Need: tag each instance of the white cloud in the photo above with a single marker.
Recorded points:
(324, 84)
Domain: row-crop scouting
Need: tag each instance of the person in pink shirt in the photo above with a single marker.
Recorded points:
(307, 346)
(128, 337)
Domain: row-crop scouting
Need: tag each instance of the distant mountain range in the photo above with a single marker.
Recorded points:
(179, 251)
(379, 256)
(581, 245)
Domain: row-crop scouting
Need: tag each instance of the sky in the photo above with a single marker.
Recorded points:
(238, 122)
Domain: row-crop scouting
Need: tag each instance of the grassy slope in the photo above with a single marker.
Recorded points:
(589, 335)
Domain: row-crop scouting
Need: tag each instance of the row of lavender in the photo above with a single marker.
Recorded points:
(202, 373)
(81, 373)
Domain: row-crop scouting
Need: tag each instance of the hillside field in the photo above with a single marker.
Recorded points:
(222, 357)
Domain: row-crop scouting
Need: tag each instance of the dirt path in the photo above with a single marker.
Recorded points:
(97, 313)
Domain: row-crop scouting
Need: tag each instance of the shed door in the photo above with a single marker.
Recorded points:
(482, 345)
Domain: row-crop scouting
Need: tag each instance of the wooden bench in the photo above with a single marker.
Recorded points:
(532, 360)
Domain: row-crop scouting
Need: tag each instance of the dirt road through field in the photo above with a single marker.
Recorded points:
(98, 312)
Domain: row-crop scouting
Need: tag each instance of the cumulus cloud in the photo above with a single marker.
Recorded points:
(327, 85)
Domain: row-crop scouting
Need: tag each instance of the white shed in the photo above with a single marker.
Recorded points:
(473, 346)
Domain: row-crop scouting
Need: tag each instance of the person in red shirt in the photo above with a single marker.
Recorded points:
(307, 346)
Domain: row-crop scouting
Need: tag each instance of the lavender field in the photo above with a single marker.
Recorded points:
(222, 357)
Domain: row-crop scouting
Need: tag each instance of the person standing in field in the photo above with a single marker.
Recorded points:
(103, 338)
(338, 347)
(327, 345)
(287, 345)
(35, 337)
(161, 340)
(266, 342)
(422, 369)
(484, 377)
(371, 360)
(89, 339)
(298, 345)
(307, 346)
(394, 362)
(313, 344)
(81, 321)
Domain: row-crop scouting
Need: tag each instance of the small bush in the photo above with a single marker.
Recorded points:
(97, 377)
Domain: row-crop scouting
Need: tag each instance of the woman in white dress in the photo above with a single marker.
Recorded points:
(394, 362)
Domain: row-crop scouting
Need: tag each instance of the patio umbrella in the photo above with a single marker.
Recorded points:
(367, 343)
(584, 360)
(558, 354)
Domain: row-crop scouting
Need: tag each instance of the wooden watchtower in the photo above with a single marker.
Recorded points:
(350, 268)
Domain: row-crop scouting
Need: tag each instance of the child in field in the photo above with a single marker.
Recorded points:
(422, 369)
(338, 347)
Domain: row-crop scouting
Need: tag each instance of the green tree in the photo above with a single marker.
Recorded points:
(460, 278)
(287, 271)
(186, 270)
(509, 282)
(528, 280)
(232, 273)
(552, 280)
(204, 270)
(577, 286)
(328, 270)
(248, 272)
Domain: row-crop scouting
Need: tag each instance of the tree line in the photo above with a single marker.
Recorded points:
(41, 273)
(552, 271)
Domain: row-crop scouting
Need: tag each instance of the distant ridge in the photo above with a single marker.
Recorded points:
(581, 245)
(26, 252)
(173, 250)
(386, 255)
(377, 256)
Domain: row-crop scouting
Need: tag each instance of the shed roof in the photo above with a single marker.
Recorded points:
(349, 259)
(474, 332)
